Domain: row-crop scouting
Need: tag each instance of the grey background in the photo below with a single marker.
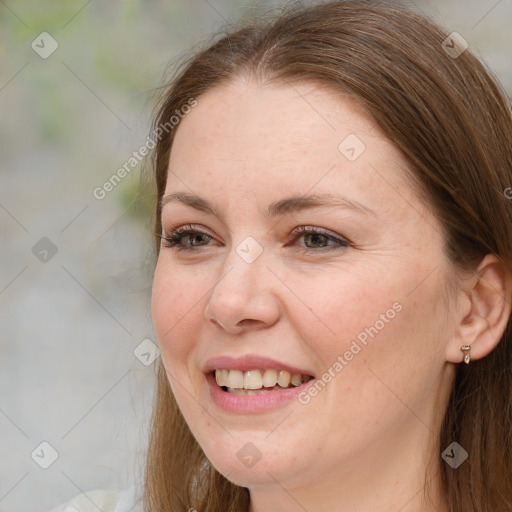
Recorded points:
(69, 325)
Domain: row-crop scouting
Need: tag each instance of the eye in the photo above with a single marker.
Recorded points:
(318, 238)
(195, 237)
(187, 238)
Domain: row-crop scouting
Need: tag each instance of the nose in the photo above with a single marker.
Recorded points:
(244, 297)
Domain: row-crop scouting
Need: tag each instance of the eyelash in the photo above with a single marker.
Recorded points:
(173, 240)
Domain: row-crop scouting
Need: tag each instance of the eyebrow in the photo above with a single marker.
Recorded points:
(281, 207)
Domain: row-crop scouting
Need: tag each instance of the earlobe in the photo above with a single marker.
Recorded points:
(485, 318)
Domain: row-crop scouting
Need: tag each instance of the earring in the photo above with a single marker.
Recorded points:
(466, 349)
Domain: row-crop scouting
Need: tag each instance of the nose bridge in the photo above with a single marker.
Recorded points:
(243, 268)
(243, 290)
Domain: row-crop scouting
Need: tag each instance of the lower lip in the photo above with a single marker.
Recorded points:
(261, 402)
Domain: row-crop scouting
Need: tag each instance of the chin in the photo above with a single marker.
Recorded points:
(253, 463)
(261, 474)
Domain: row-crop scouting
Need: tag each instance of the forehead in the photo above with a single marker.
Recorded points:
(261, 140)
(244, 118)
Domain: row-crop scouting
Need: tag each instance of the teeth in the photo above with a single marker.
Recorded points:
(296, 379)
(283, 379)
(253, 379)
(221, 376)
(270, 378)
(256, 380)
(252, 391)
(235, 379)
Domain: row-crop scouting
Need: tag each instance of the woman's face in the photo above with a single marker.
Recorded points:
(357, 303)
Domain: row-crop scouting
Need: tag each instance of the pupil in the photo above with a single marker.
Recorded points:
(316, 241)
(195, 238)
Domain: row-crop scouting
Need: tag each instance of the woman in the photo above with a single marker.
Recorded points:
(332, 290)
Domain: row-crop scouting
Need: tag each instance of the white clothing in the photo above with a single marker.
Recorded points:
(104, 500)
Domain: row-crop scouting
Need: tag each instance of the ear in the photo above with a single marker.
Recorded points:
(483, 311)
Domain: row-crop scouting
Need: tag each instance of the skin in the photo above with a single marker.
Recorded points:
(365, 441)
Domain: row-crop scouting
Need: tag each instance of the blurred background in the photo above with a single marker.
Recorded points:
(77, 87)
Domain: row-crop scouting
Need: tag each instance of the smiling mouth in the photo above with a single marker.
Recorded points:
(257, 381)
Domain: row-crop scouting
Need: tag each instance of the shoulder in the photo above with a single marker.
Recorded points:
(104, 500)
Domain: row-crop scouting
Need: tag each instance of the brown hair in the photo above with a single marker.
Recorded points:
(452, 122)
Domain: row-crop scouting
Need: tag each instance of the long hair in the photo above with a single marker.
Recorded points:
(452, 122)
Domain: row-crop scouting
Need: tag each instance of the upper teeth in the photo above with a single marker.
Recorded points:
(256, 379)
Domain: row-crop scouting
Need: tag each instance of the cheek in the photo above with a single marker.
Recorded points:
(175, 308)
(401, 346)
(381, 324)
(334, 308)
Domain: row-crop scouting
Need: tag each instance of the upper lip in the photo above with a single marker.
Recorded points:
(250, 362)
